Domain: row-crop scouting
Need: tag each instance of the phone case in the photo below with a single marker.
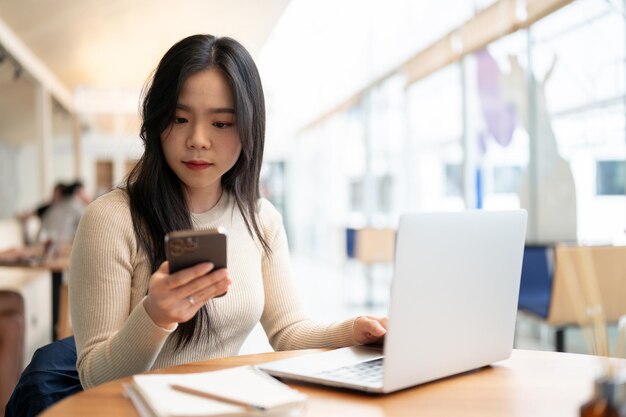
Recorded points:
(186, 248)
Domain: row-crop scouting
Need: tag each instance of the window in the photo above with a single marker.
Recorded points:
(454, 180)
(506, 179)
(610, 177)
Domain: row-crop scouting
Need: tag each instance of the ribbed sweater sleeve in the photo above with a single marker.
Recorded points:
(286, 325)
(112, 339)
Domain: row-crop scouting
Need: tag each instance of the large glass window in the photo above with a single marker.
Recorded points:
(435, 148)
(385, 140)
(535, 120)
(323, 190)
(497, 123)
(578, 53)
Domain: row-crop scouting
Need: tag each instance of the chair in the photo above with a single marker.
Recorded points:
(34, 287)
(553, 276)
(536, 283)
(50, 377)
(609, 267)
(373, 247)
(535, 295)
(25, 323)
(11, 342)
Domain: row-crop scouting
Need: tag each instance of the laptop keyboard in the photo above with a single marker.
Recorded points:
(370, 371)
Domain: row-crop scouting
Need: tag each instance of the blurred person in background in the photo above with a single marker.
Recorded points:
(60, 222)
(31, 220)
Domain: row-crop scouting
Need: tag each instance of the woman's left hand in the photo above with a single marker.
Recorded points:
(368, 329)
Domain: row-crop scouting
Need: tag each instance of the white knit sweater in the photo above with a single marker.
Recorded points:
(109, 277)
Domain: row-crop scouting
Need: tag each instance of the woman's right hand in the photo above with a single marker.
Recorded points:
(177, 297)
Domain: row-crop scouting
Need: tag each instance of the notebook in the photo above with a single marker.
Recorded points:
(154, 396)
(452, 309)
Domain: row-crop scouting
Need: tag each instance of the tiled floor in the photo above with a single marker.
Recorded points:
(334, 293)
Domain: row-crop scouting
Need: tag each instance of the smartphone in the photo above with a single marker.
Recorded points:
(186, 248)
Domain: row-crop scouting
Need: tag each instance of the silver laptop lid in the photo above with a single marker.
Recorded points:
(454, 294)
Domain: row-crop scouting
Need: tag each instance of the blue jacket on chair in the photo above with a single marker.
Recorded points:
(50, 377)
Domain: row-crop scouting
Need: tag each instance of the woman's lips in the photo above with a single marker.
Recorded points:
(196, 165)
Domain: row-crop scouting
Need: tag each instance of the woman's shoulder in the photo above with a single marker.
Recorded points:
(266, 208)
(113, 206)
(269, 216)
(115, 198)
(106, 229)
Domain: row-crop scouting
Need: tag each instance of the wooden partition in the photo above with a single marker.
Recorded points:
(580, 272)
(375, 245)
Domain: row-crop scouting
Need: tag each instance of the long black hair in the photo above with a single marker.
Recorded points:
(157, 197)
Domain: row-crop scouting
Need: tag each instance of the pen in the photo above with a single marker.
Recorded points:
(217, 397)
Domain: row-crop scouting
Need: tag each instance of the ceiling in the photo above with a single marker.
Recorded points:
(114, 44)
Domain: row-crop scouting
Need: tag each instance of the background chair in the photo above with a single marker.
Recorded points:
(536, 283)
(25, 321)
(11, 343)
(373, 247)
(552, 277)
(34, 288)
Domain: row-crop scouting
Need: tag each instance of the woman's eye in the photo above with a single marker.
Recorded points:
(179, 120)
(222, 125)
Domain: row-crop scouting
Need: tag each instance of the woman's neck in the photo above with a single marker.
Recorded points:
(202, 200)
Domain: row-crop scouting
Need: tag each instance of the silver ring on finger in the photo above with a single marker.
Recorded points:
(191, 300)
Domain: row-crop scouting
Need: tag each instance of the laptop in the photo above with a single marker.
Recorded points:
(22, 256)
(452, 307)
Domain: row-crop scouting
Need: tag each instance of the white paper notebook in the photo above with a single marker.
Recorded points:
(153, 395)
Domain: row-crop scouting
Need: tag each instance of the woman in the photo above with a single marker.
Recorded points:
(203, 131)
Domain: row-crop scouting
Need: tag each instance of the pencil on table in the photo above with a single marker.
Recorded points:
(211, 396)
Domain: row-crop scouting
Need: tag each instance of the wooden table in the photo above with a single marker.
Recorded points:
(530, 383)
(61, 326)
(52, 265)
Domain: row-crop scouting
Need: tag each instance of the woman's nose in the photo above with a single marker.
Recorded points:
(199, 137)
